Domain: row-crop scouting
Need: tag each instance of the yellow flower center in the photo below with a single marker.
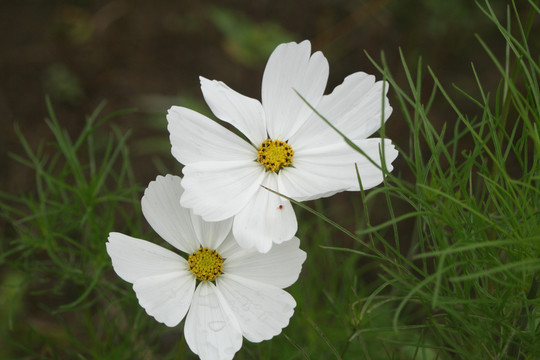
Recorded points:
(206, 264)
(274, 155)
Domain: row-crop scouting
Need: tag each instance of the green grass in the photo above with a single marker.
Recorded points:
(440, 262)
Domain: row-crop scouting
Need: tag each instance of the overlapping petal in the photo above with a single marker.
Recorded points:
(266, 218)
(292, 67)
(244, 113)
(325, 170)
(194, 137)
(261, 310)
(259, 267)
(211, 234)
(211, 329)
(355, 108)
(229, 247)
(219, 190)
(161, 208)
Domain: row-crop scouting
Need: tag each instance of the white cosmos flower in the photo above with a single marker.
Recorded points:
(289, 148)
(241, 290)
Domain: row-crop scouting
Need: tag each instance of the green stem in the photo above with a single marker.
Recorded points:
(514, 349)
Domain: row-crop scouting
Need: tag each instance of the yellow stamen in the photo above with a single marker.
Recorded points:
(274, 155)
(206, 264)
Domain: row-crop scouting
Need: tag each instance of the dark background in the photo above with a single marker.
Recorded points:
(148, 55)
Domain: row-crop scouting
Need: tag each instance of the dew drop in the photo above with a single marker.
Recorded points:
(207, 300)
(216, 325)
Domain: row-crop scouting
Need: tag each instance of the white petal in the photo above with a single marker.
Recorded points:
(267, 218)
(219, 190)
(291, 67)
(211, 234)
(229, 247)
(195, 137)
(354, 108)
(244, 113)
(326, 170)
(161, 279)
(161, 208)
(280, 266)
(166, 297)
(211, 329)
(262, 310)
(134, 259)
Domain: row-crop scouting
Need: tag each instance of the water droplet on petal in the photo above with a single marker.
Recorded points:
(206, 300)
(216, 325)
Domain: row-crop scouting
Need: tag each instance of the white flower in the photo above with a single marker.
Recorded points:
(289, 148)
(239, 291)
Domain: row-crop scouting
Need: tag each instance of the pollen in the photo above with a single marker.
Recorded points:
(206, 264)
(274, 155)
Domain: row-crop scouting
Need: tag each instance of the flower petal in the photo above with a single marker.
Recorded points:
(161, 279)
(326, 170)
(292, 67)
(194, 137)
(354, 108)
(244, 113)
(267, 218)
(133, 259)
(166, 297)
(219, 190)
(229, 247)
(211, 234)
(262, 310)
(279, 267)
(211, 329)
(161, 208)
